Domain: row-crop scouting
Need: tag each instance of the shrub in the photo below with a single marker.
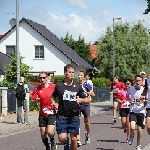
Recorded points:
(34, 107)
(101, 82)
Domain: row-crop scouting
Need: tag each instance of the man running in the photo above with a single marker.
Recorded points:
(85, 108)
(144, 95)
(68, 93)
(115, 87)
(137, 109)
(47, 115)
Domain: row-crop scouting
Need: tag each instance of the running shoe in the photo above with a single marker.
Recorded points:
(79, 143)
(131, 139)
(87, 139)
(138, 147)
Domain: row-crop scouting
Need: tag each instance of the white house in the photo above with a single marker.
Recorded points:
(41, 49)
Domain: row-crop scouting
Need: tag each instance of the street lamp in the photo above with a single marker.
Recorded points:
(117, 18)
(146, 48)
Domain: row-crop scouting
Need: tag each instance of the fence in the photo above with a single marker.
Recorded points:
(0, 102)
(101, 94)
(11, 100)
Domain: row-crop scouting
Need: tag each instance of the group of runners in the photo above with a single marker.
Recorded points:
(132, 98)
(61, 106)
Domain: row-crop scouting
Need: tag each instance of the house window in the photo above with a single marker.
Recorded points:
(10, 50)
(39, 51)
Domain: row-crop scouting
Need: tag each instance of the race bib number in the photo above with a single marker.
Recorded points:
(136, 99)
(126, 105)
(48, 111)
(69, 96)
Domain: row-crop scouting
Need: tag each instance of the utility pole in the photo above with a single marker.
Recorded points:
(17, 41)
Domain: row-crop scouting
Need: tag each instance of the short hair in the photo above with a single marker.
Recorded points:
(115, 76)
(68, 66)
(84, 73)
(43, 72)
(21, 79)
(128, 79)
(139, 75)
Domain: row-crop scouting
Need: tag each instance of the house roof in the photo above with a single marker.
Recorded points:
(93, 51)
(55, 41)
(4, 60)
(1, 36)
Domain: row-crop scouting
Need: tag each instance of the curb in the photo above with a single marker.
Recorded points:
(98, 110)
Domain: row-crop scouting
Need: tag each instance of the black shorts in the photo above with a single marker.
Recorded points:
(147, 112)
(137, 117)
(47, 120)
(124, 112)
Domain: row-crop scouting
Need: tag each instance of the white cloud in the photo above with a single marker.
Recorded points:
(90, 26)
(76, 4)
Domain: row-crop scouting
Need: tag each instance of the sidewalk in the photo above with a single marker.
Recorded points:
(8, 124)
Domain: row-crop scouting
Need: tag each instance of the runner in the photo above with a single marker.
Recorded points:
(144, 81)
(85, 108)
(115, 87)
(145, 93)
(47, 115)
(136, 109)
(68, 93)
(125, 107)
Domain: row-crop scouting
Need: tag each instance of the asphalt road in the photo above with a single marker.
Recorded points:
(104, 136)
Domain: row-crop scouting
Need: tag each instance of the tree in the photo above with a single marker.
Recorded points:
(79, 46)
(11, 74)
(148, 7)
(130, 53)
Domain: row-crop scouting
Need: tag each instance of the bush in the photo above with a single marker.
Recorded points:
(59, 78)
(101, 82)
(34, 107)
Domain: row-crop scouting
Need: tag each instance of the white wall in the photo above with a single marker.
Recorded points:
(78, 69)
(54, 60)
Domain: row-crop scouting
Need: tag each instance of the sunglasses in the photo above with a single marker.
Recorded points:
(128, 83)
(42, 77)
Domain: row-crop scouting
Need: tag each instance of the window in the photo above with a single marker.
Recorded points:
(39, 51)
(10, 50)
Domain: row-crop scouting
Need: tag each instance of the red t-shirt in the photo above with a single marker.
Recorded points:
(115, 87)
(45, 103)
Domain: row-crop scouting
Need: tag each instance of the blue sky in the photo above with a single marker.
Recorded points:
(88, 18)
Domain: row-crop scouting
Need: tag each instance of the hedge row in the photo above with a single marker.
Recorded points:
(98, 82)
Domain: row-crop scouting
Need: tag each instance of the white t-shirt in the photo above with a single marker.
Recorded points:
(91, 83)
(148, 93)
(135, 94)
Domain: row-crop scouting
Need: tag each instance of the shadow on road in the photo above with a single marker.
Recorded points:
(102, 123)
(117, 127)
(108, 140)
(6, 122)
(104, 149)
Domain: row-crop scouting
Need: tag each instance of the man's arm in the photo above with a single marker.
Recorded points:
(53, 98)
(144, 94)
(83, 96)
(34, 96)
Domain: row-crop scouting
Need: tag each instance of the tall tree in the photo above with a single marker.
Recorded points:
(148, 7)
(130, 54)
(79, 46)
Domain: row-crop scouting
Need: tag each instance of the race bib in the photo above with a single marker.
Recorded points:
(48, 111)
(126, 104)
(115, 90)
(69, 96)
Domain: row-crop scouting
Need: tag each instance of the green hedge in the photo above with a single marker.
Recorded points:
(34, 107)
(101, 82)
